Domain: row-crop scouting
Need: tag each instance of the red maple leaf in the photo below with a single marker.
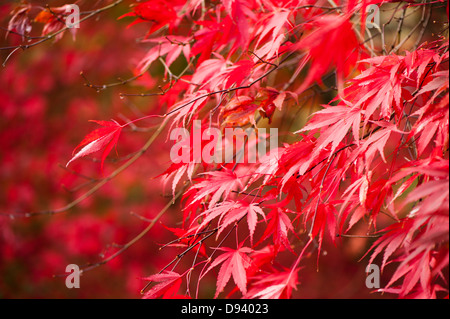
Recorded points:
(279, 224)
(230, 212)
(159, 12)
(234, 263)
(20, 22)
(220, 184)
(239, 111)
(102, 138)
(55, 20)
(331, 33)
(168, 284)
(276, 285)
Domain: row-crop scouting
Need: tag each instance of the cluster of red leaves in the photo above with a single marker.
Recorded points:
(377, 152)
(380, 147)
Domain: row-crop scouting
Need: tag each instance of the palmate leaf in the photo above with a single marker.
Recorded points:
(341, 169)
(158, 12)
(278, 226)
(105, 138)
(232, 211)
(20, 22)
(219, 184)
(167, 285)
(333, 33)
(276, 285)
(234, 263)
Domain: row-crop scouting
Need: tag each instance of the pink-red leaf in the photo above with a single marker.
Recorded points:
(168, 284)
(234, 263)
(102, 138)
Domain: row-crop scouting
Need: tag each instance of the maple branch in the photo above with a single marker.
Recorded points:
(189, 274)
(424, 27)
(261, 60)
(188, 236)
(99, 88)
(334, 7)
(358, 236)
(136, 238)
(26, 36)
(163, 91)
(383, 42)
(141, 217)
(399, 29)
(100, 184)
(181, 255)
(423, 20)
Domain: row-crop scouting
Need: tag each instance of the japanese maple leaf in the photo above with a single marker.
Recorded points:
(168, 284)
(379, 88)
(234, 263)
(220, 183)
(230, 212)
(296, 158)
(55, 20)
(105, 138)
(238, 73)
(238, 12)
(232, 30)
(239, 111)
(430, 124)
(439, 84)
(276, 285)
(184, 111)
(177, 170)
(433, 194)
(415, 269)
(207, 72)
(270, 32)
(222, 74)
(20, 21)
(335, 122)
(377, 141)
(324, 217)
(417, 261)
(392, 239)
(186, 238)
(331, 33)
(279, 224)
(213, 36)
(268, 165)
(159, 12)
(172, 46)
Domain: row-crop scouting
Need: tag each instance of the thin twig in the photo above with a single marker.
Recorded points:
(100, 184)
